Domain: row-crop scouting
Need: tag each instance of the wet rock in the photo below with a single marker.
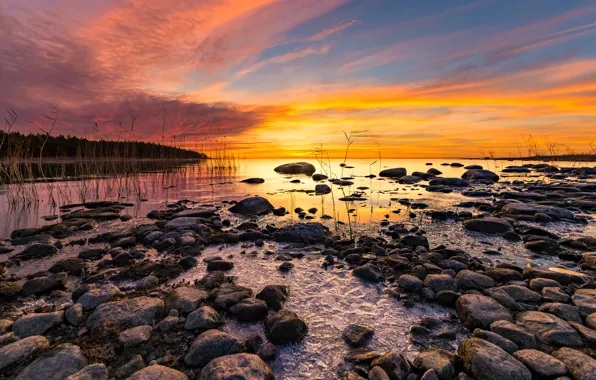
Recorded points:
(186, 299)
(253, 180)
(358, 335)
(451, 182)
(409, 179)
(468, 279)
(250, 310)
(91, 372)
(543, 246)
(148, 282)
(183, 222)
(210, 345)
(540, 364)
(5, 326)
(57, 364)
(92, 254)
(158, 372)
(135, 336)
(442, 362)
(74, 315)
(414, 241)
(585, 300)
(38, 250)
(204, 318)
(394, 364)
(489, 225)
(564, 311)
(393, 173)
(549, 329)
(504, 275)
(554, 295)
(43, 285)
(438, 282)
(197, 213)
(285, 326)
(95, 297)
(410, 283)
(368, 271)
(220, 265)
(274, 296)
(230, 294)
(478, 311)
(322, 189)
(540, 283)
(130, 312)
(478, 174)
(563, 277)
(70, 266)
(319, 177)
(9, 290)
(238, 366)
(580, 365)
(496, 339)
(296, 168)
(188, 262)
(484, 360)
(130, 367)
(252, 206)
(37, 323)
(306, 233)
(377, 373)
(168, 323)
(522, 338)
(21, 350)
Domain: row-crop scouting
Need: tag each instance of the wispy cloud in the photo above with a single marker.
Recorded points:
(323, 34)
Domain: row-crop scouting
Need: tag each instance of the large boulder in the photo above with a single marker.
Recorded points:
(285, 326)
(38, 250)
(203, 318)
(296, 168)
(585, 300)
(368, 271)
(237, 367)
(45, 284)
(158, 372)
(480, 175)
(441, 361)
(274, 296)
(306, 233)
(230, 294)
(57, 364)
(135, 336)
(468, 279)
(484, 360)
(488, 225)
(249, 310)
(542, 365)
(210, 345)
(128, 313)
(21, 350)
(549, 329)
(393, 173)
(252, 206)
(478, 311)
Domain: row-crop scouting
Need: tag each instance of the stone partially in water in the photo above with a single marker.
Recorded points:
(204, 318)
(252, 206)
(489, 225)
(306, 233)
(480, 175)
(238, 366)
(210, 345)
(358, 335)
(284, 327)
(296, 168)
(394, 364)
(185, 299)
(393, 173)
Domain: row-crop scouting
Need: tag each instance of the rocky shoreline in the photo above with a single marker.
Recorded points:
(112, 301)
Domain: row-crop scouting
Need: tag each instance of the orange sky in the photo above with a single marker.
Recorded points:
(280, 78)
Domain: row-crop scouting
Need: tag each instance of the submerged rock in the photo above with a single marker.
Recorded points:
(252, 206)
(285, 326)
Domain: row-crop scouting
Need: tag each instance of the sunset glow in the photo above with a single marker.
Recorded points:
(279, 78)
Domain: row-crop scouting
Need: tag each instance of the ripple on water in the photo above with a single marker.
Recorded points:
(328, 301)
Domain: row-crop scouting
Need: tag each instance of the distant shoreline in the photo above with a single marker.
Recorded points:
(567, 158)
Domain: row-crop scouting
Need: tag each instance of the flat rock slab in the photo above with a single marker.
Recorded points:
(21, 350)
(484, 360)
(549, 329)
(478, 311)
(57, 364)
(158, 372)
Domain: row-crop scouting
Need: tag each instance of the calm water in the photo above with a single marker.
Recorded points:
(196, 182)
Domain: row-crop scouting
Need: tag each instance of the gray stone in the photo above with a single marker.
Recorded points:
(296, 168)
(438, 282)
(252, 206)
(377, 373)
(57, 364)
(496, 339)
(135, 336)
(478, 174)
(554, 295)
(358, 335)
(130, 312)
(22, 350)
(274, 296)
(37, 324)
(516, 334)
(9, 290)
(210, 345)
(38, 250)
(130, 367)
(238, 366)
(521, 293)
(489, 225)
(249, 310)
(468, 279)
(410, 283)
(393, 173)
(186, 299)
(478, 311)
(95, 297)
(203, 318)
(440, 361)
(42, 285)
(585, 300)
(74, 315)
(368, 271)
(230, 294)
(486, 361)
(148, 282)
(394, 364)
(305, 233)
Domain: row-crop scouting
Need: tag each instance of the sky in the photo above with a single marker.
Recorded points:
(282, 78)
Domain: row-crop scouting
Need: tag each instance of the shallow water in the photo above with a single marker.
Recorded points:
(148, 191)
(328, 301)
